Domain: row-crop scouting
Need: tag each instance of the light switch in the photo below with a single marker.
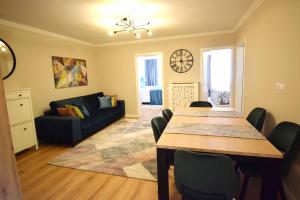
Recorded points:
(280, 86)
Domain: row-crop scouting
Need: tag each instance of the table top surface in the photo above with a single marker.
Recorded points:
(216, 144)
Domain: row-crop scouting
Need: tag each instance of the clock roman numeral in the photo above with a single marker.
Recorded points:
(181, 52)
(185, 52)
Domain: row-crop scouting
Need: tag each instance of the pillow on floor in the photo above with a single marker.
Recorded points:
(105, 102)
(68, 112)
(76, 110)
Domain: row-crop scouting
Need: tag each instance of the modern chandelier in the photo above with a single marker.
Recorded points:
(128, 24)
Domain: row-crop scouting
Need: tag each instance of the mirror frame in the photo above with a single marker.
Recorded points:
(14, 60)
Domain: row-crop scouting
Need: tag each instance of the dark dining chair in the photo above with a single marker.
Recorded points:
(201, 104)
(205, 176)
(158, 126)
(286, 138)
(167, 114)
(257, 118)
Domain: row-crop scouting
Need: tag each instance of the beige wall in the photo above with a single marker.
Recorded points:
(110, 69)
(118, 64)
(34, 66)
(272, 56)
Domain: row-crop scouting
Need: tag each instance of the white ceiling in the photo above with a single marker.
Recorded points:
(90, 20)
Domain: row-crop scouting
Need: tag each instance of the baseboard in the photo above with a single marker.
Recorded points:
(131, 116)
(288, 193)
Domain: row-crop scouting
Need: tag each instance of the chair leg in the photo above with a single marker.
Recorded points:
(244, 187)
(282, 193)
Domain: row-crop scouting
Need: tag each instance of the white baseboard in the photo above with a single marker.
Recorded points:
(131, 116)
(288, 193)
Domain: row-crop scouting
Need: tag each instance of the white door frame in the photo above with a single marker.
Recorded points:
(232, 70)
(137, 77)
(242, 42)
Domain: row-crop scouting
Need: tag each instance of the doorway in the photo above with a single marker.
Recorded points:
(149, 84)
(217, 77)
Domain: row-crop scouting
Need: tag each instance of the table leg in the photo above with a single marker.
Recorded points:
(162, 174)
(271, 179)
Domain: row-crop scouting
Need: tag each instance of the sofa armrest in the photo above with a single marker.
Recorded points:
(121, 105)
(48, 113)
(57, 129)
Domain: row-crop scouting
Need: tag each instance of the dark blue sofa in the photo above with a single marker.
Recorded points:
(52, 128)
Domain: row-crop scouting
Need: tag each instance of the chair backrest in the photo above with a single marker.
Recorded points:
(158, 126)
(205, 176)
(257, 118)
(201, 104)
(167, 114)
(286, 138)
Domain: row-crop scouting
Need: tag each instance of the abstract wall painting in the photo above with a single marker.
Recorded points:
(69, 72)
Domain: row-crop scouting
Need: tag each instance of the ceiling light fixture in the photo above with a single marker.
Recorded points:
(127, 24)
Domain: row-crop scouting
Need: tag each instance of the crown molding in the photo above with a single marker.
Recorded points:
(247, 14)
(243, 19)
(43, 32)
(167, 38)
(239, 24)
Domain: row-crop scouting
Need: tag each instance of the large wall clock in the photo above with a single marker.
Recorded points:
(181, 60)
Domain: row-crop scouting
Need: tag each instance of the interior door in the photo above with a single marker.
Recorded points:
(9, 178)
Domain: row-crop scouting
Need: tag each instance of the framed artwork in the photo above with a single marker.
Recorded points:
(69, 72)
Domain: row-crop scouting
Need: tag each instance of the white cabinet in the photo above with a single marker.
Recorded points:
(21, 119)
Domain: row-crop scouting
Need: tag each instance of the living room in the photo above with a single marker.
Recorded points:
(269, 29)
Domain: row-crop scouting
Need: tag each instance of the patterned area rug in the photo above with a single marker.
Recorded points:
(125, 148)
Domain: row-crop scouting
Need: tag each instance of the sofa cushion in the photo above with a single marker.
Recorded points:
(66, 112)
(91, 101)
(105, 102)
(61, 103)
(83, 109)
(101, 116)
(114, 100)
(76, 110)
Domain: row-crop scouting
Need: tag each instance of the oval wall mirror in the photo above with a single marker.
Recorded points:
(7, 60)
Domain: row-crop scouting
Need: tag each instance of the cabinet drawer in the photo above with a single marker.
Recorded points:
(15, 95)
(22, 136)
(18, 111)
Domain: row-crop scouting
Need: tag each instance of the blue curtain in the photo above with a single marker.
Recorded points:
(151, 72)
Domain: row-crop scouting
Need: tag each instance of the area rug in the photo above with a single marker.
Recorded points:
(125, 148)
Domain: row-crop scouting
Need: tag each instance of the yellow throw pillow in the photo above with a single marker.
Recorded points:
(114, 100)
(76, 110)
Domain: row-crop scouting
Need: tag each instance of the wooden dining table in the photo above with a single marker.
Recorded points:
(239, 149)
